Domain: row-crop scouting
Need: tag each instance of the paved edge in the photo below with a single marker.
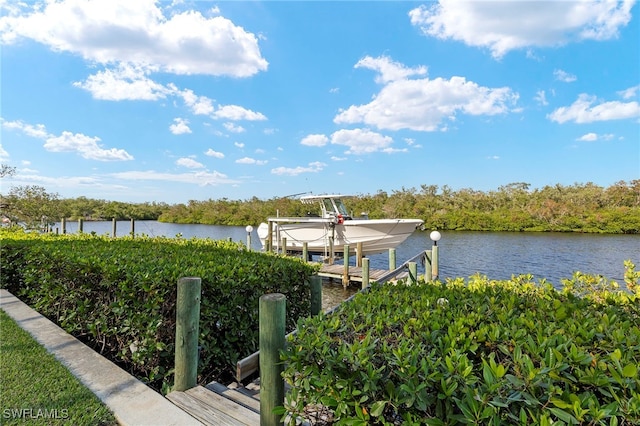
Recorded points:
(132, 402)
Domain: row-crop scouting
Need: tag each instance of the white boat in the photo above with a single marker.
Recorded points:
(327, 232)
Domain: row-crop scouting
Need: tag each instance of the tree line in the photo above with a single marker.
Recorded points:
(513, 207)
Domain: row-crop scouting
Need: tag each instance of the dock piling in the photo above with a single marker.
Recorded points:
(272, 317)
(187, 330)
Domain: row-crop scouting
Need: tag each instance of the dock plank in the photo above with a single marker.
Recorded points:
(235, 395)
(213, 409)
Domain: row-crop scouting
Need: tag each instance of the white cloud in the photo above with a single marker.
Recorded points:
(503, 26)
(629, 93)
(201, 178)
(125, 82)
(361, 141)
(314, 167)
(541, 98)
(211, 153)
(564, 76)
(423, 104)
(248, 160)
(231, 127)
(583, 110)
(86, 146)
(334, 158)
(180, 126)
(235, 113)
(314, 140)
(592, 137)
(388, 69)
(239, 145)
(189, 163)
(139, 33)
(199, 105)
(3, 153)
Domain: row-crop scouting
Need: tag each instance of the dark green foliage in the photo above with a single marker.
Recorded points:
(118, 295)
(471, 352)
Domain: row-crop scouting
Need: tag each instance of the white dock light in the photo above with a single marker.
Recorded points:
(435, 236)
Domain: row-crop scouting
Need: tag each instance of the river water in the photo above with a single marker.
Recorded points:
(498, 255)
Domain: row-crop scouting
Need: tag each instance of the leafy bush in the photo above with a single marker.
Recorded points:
(119, 295)
(473, 351)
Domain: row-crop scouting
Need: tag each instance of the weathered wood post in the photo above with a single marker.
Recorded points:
(268, 242)
(305, 251)
(113, 227)
(80, 226)
(435, 237)
(392, 259)
(413, 272)
(345, 274)
(249, 230)
(359, 255)
(272, 317)
(63, 225)
(187, 330)
(284, 245)
(427, 265)
(365, 272)
(316, 295)
(133, 227)
(434, 262)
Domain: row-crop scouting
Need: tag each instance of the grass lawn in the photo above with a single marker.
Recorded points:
(36, 389)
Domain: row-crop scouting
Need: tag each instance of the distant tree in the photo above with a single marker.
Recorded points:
(31, 205)
(6, 170)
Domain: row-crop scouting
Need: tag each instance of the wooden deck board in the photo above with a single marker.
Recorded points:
(213, 409)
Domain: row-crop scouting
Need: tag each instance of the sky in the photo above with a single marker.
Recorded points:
(160, 101)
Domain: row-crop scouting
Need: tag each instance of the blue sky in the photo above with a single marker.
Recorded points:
(174, 101)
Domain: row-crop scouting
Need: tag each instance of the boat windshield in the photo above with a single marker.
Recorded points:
(341, 208)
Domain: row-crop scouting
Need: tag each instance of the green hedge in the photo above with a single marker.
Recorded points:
(471, 351)
(119, 295)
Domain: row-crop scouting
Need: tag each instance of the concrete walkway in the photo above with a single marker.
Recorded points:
(131, 401)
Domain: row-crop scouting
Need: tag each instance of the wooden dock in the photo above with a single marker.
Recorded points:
(216, 404)
(355, 273)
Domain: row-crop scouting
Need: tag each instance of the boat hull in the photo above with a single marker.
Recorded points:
(376, 235)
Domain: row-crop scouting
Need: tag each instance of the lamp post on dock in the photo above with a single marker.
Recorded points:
(435, 237)
(249, 230)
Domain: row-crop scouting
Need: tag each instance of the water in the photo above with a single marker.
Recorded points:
(498, 255)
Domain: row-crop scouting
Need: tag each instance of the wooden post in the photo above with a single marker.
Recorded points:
(345, 274)
(113, 227)
(187, 330)
(272, 313)
(392, 259)
(269, 239)
(284, 245)
(305, 251)
(365, 272)
(133, 227)
(316, 295)
(63, 225)
(80, 226)
(427, 266)
(413, 272)
(359, 255)
(434, 262)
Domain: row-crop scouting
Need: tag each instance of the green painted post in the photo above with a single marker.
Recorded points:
(365, 272)
(63, 224)
(272, 317)
(80, 226)
(392, 259)
(187, 330)
(133, 227)
(413, 272)
(434, 262)
(113, 227)
(427, 265)
(316, 295)
(268, 242)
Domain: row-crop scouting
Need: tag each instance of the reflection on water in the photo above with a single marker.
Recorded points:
(333, 293)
